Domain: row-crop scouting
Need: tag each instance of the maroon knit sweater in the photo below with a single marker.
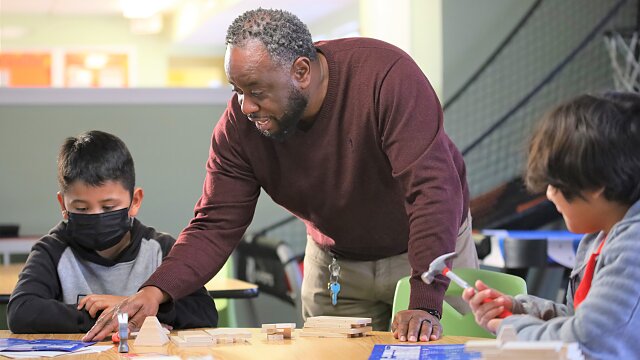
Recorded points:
(376, 173)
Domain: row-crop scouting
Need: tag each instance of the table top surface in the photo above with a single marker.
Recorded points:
(218, 287)
(258, 347)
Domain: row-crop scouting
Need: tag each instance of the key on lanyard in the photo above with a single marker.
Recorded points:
(334, 285)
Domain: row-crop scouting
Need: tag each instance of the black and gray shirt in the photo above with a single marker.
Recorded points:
(58, 272)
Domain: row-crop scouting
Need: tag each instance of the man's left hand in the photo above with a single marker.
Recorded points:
(411, 325)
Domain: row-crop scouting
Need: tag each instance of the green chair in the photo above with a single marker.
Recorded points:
(453, 322)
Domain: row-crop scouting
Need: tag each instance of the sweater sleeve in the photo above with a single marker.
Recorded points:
(222, 214)
(36, 303)
(192, 311)
(417, 147)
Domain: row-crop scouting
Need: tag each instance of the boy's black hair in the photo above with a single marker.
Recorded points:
(588, 143)
(95, 157)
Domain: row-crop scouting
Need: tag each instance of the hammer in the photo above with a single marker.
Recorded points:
(438, 266)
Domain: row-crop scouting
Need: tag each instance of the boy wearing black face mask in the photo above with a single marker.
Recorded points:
(99, 254)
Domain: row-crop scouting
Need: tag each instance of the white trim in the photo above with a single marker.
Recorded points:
(83, 96)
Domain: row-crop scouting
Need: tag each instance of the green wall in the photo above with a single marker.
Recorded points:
(169, 144)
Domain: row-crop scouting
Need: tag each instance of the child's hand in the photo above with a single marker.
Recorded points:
(486, 312)
(96, 302)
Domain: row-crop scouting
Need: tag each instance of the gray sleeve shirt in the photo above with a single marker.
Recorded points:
(605, 325)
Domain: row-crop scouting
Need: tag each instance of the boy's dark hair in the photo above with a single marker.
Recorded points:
(588, 143)
(95, 157)
(284, 35)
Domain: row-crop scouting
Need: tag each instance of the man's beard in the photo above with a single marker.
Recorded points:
(288, 123)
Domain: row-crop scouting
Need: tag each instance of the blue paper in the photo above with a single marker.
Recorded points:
(420, 352)
(11, 344)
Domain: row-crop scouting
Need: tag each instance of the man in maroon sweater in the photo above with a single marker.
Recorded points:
(350, 140)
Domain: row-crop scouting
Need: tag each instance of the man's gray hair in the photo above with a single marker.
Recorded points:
(282, 33)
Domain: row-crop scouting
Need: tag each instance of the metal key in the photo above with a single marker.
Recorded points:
(334, 270)
(334, 288)
(334, 285)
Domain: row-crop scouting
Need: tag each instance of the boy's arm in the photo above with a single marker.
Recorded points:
(35, 305)
(605, 321)
(541, 308)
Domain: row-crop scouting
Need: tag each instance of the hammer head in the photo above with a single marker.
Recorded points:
(436, 267)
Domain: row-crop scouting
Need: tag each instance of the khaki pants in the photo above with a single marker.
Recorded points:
(367, 287)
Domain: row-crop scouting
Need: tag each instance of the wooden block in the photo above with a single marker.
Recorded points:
(151, 333)
(216, 332)
(240, 333)
(357, 330)
(286, 332)
(227, 339)
(521, 350)
(285, 326)
(195, 336)
(181, 342)
(237, 335)
(339, 319)
(327, 334)
(336, 322)
(279, 328)
(507, 334)
(274, 337)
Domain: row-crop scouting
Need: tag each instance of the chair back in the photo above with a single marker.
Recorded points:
(453, 322)
(271, 264)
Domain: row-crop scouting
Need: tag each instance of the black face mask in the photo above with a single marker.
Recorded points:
(98, 231)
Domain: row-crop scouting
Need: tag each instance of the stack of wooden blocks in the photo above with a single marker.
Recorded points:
(210, 337)
(506, 347)
(336, 326)
(279, 331)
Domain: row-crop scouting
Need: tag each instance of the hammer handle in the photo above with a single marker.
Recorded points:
(457, 279)
(463, 284)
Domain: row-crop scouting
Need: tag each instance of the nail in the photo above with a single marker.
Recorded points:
(412, 338)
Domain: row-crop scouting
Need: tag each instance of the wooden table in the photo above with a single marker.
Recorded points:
(218, 287)
(258, 348)
(8, 279)
(16, 245)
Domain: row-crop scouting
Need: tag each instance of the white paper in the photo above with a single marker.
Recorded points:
(32, 354)
(404, 352)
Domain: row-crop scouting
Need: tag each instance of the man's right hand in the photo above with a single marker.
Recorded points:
(140, 305)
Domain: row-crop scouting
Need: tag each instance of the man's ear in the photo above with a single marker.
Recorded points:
(62, 207)
(301, 72)
(136, 201)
